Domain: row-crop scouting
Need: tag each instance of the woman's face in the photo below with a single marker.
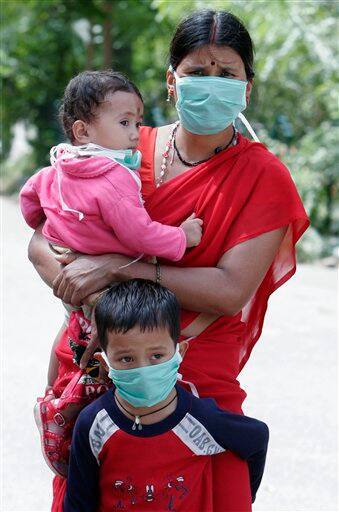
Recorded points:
(211, 60)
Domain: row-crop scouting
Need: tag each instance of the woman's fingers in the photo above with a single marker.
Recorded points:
(59, 286)
(91, 348)
(69, 285)
(76, 292)
(86, 275)
(72, 294)
(92, 345)
(59, 283)
(64, 288)
(103, 368)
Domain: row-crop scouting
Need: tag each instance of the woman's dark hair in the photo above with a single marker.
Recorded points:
(208, 27)
(137, 302)
(86, 91)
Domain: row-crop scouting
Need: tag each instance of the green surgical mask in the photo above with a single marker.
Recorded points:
(147, 385)
(126, 157)
(208, 104)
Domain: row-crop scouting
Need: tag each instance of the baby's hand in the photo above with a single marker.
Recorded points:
(193, 230)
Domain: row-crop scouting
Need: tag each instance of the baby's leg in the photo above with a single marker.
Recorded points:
(53, 366)
(55, 414)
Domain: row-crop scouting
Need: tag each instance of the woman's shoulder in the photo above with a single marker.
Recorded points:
(267, 178)
(262, 162)
(258, 151)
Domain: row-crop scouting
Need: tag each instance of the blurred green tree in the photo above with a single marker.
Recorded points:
(294, 101)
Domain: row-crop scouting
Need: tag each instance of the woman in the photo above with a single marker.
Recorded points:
(252, 217)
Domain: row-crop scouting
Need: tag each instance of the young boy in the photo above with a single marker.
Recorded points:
(147, 443)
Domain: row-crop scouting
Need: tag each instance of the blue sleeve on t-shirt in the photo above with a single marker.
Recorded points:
(245, 436)
(82, 491)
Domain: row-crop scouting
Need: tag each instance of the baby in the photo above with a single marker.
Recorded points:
(90, 200)
(90, 197)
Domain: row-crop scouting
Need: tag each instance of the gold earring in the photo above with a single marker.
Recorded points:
(168, 96)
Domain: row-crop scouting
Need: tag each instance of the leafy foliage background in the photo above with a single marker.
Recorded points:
(294, 106)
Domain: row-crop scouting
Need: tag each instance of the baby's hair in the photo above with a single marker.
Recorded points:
(86, 91)
(138, 302)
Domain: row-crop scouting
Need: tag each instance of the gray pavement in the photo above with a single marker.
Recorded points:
(290, 380)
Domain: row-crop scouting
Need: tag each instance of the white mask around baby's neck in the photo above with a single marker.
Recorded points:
(126, 157)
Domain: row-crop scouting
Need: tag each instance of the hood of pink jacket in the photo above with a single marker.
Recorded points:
(85, 167)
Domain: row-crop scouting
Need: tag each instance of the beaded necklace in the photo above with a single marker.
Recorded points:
(171, 146)
(165, 155)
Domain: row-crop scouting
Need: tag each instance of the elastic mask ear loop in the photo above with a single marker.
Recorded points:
(248, 126)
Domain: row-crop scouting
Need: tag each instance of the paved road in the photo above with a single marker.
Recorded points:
(290, 381)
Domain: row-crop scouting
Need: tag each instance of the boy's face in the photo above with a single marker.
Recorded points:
(135, 349)
(116, 124)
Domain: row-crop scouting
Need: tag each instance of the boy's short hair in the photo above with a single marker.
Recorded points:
(86, 91)
(138, 302)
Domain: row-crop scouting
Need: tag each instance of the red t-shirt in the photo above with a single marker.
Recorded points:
(165, 466)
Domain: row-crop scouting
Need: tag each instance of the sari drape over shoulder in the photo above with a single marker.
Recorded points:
(240, 194)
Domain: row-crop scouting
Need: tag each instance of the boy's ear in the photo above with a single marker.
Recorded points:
(183, 346)
(80, 132)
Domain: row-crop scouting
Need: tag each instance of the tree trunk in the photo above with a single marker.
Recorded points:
(107, 30)
(329, 194)
(90, 49)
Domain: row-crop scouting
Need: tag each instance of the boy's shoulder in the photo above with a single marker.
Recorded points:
(210, 429)
(206, 406)
(205, 411)
(208, 413)
(89, 414)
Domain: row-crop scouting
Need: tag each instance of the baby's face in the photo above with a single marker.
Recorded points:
(117, 121)
(135, 349)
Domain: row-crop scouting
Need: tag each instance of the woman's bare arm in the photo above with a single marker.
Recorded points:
(226, 289)
(42, 258)
(223, 290)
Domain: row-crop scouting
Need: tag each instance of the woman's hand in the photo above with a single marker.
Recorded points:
(93, 344)
(83, 275)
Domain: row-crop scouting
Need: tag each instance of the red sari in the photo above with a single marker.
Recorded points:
(240, 194)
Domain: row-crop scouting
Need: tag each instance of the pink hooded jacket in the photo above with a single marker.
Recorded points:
(93, 205)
